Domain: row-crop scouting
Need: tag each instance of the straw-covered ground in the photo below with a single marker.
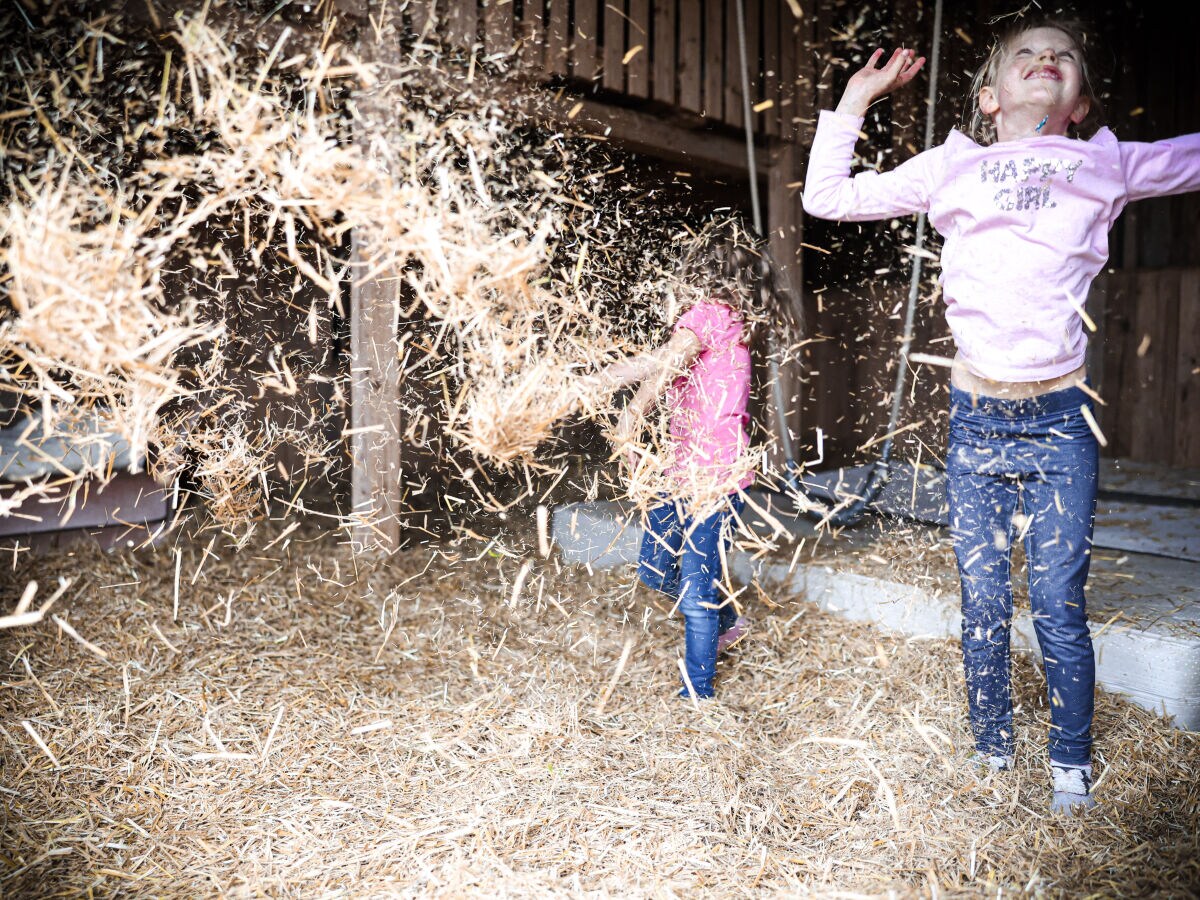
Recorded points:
(472, 720)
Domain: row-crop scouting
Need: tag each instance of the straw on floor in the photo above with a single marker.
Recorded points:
(473, 720)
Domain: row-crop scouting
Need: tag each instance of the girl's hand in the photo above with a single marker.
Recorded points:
(869, 83)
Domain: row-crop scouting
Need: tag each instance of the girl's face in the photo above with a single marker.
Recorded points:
(1038, 87)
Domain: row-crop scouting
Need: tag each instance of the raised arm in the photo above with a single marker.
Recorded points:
(1163, 167)
(829, 190)
(623, 372)
(871, 82)
(669, 361)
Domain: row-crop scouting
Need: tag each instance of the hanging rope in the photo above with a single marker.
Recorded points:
(880, 470)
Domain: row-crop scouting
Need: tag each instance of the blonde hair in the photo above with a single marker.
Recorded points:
(980, 127)
(725, 262)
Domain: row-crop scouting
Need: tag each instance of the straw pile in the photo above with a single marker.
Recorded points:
(467, 722)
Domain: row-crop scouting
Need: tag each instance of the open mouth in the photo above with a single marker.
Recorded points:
(1049, 73)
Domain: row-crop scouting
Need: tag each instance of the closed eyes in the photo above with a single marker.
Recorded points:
(1061, 54)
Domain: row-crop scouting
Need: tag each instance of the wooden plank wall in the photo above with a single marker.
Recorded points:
(682, 54)
(1147, 363)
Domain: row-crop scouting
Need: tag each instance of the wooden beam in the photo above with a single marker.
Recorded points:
(462, 20)
(532, 33)
(732, 61)
(821, 359)
(798, 90)
(375, 436)
(498, 26)
(355, 9)
(908, 107)
(788, 73)
(784, 211)
(128, 500)
(1116, 333)
(818, 54)
(1151, 390)
(421, 17)
(557, 38)
(1187, 372)
(753, 60)
(772, 35)
(374, 408)
(643, 133)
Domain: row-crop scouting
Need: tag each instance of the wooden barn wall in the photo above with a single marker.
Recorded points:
(681, 54)
(1145, 358)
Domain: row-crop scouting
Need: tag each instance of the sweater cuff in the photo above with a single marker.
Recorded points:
(841, 121)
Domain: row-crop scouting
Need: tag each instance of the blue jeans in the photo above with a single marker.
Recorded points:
(1041, 456)
(682, 558)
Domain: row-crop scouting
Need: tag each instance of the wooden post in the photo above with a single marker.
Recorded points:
(1187, 372)
(374, 368)
(784, 219)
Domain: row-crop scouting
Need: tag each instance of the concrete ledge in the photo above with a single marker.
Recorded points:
(603, 534)
(27, 452)
(1154, 667)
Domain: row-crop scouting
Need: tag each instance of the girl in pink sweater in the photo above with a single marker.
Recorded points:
(1024, 200)
(702, 375)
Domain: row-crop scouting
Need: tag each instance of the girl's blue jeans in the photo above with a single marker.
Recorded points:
(681, 557)
(1039, 457)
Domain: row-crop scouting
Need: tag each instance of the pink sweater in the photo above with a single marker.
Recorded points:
(1025, 224)
(709, 403)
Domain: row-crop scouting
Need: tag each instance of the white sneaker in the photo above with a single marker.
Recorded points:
(1072, 789)
(997, 762)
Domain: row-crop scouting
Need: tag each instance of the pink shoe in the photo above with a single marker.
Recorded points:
(735, 633)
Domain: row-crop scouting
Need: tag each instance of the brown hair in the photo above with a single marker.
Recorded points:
(726, 262)
(980, 127)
